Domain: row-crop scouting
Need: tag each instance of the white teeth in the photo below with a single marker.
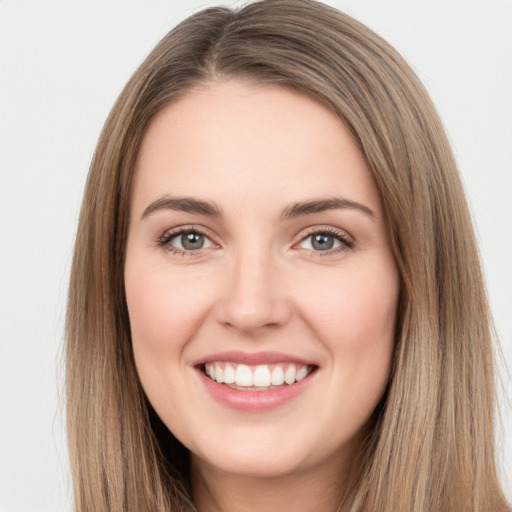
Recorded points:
(301, 373)
(219, 373)
(289, 374)
(229, 374)
(277, 376)
(262, 376)
(259, 376)
(243, 376)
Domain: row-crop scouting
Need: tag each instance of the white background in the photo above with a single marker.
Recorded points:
(63, 63)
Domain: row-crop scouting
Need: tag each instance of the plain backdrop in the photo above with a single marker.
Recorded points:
(63, 63)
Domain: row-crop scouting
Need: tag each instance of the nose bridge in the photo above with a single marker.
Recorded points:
(253, 296)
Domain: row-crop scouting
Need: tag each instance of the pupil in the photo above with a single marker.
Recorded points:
(322, 242)
(192, 241)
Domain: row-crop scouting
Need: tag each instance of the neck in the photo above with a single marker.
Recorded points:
(217, 491)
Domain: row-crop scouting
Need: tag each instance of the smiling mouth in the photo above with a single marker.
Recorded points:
(262, 377)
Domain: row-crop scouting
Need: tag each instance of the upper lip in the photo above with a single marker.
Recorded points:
(251, 358)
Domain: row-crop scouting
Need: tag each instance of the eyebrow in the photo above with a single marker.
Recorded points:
(183, 204)
(322, 205)
(197, 206)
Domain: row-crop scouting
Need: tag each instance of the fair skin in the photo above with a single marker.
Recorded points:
(257, 242)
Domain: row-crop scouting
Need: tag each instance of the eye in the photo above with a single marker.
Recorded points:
(185, 241)
(326, 241)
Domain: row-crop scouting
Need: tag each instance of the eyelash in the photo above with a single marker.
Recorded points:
(346, 242)
(165, 240)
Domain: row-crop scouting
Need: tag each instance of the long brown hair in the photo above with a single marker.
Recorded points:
(431, 443)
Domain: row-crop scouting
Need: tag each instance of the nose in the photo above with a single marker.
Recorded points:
(254, 297)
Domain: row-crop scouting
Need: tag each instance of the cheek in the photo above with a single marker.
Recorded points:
(355, 317)
(164, 311)
(164, 308)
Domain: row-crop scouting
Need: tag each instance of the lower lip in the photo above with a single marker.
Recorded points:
(254, 401)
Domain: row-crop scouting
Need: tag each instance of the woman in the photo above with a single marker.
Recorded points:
(275, 300)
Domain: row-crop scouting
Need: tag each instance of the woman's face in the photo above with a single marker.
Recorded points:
(261, 286)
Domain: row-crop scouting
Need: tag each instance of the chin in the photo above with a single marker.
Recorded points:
(264, 453)
(250, 464)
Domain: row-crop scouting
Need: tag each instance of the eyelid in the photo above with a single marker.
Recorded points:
(347, 241)
(164, 240)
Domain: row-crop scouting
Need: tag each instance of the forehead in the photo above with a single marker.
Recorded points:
(258, 140)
